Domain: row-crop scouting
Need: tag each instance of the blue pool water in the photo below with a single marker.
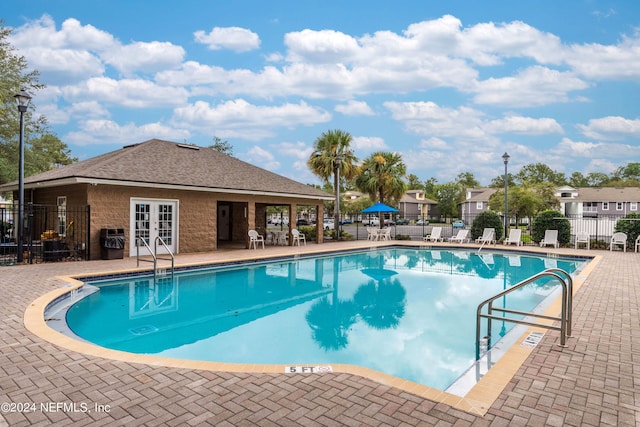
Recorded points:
(406, 312)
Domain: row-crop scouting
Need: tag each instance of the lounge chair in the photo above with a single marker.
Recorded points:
(515, 236)
(435, 236)
(583, 237)
(298, 236)
(488, 236)
(637, 243)
(618, 239)
(461, 237)
(550, 238)
(254, 239)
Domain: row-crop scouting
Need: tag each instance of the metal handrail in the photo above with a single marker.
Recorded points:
(154, 254)
(155, 247)
(565, 316)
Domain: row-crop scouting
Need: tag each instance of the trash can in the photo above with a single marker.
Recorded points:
(112, 243)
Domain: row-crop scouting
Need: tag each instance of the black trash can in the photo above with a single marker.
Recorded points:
(112, 243)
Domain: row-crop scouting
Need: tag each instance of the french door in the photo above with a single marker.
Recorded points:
(151, 218)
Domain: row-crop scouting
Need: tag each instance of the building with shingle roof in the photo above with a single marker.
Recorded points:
(193, 197)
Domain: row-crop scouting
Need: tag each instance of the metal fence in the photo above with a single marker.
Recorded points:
(51, 233)
(599, 227)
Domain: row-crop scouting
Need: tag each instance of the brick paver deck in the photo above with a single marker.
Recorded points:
(594, 381)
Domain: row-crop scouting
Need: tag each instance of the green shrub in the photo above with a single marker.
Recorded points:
(403, 237)
(487, 219)
(551, 220)
(309, 232)
(629, 225)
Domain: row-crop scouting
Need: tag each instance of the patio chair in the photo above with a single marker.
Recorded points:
(461, 237)
(550, 238)
(618, 239)
(515, 236)
(372, 233)
(488, 236)
(298, 236)
(637, 243)
(583, 237)
(435, 236)
(254, 239)
(384, 234)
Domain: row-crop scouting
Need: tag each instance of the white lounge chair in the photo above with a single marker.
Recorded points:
(298, 236)
(583, 237)
(618, 239)
(550, 238)
(488, 236)
(254, 239)
(461, 237)
(637, 243)
(515, 236)
(435, 236)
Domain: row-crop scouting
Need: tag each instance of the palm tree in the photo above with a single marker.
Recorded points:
(381, 176)
(331, 151)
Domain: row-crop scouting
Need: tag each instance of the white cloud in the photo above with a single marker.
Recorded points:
(355, 108)
(523, 125)
(239, 118)
(145, 57)
(231, 38)
(94, 132)
(133, 93)
(596, 61)
(325, 46)
(532, 87)
(596, 150)
(611, 128)
(368, 144)
(259, 156)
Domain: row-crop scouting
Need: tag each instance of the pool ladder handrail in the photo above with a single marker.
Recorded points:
(564, 319)
(154, 254)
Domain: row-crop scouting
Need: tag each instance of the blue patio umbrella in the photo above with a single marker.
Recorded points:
(380, 208)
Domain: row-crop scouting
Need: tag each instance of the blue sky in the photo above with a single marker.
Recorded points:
(450, 85)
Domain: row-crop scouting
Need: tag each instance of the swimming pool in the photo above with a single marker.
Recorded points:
(407, 312)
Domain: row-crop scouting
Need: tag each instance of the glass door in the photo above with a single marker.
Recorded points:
(151, 219)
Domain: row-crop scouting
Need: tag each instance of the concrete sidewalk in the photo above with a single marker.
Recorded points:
(593, 381)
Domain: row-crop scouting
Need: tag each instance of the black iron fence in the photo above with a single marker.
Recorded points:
(600, 227)
(51, 233)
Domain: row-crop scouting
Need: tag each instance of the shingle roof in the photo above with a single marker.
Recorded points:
(606, 194)
(157, 163)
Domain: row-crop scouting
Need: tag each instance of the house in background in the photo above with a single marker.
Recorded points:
(196, 199)
(598, 201)
(476, 201)
(414, 204)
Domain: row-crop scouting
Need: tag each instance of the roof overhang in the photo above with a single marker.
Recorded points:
(98, 181)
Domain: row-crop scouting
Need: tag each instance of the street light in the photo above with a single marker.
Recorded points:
(505, 157)
(337, 213)
(22, 99)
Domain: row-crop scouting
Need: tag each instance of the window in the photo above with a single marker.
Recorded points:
(619, 206)
(633, 206)
(479, 206)
(590, 207)
(62, 215)
(605, 206)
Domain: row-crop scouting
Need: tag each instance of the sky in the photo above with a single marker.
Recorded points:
(449, 85)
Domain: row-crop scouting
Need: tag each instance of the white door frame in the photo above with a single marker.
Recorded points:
(153, 217)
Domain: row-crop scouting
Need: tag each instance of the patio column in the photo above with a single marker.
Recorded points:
(319, 219)
(250, 217)
(293, 211)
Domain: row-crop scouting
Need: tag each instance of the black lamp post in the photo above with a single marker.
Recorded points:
(22, 99)
(505, 157)
(337, 213)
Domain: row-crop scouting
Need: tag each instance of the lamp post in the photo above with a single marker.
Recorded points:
(505, 157)
(22, 99)
(337, 213)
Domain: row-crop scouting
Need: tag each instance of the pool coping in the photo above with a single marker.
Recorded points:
(477, 401)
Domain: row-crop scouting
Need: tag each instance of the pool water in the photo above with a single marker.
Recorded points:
(408, 312)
